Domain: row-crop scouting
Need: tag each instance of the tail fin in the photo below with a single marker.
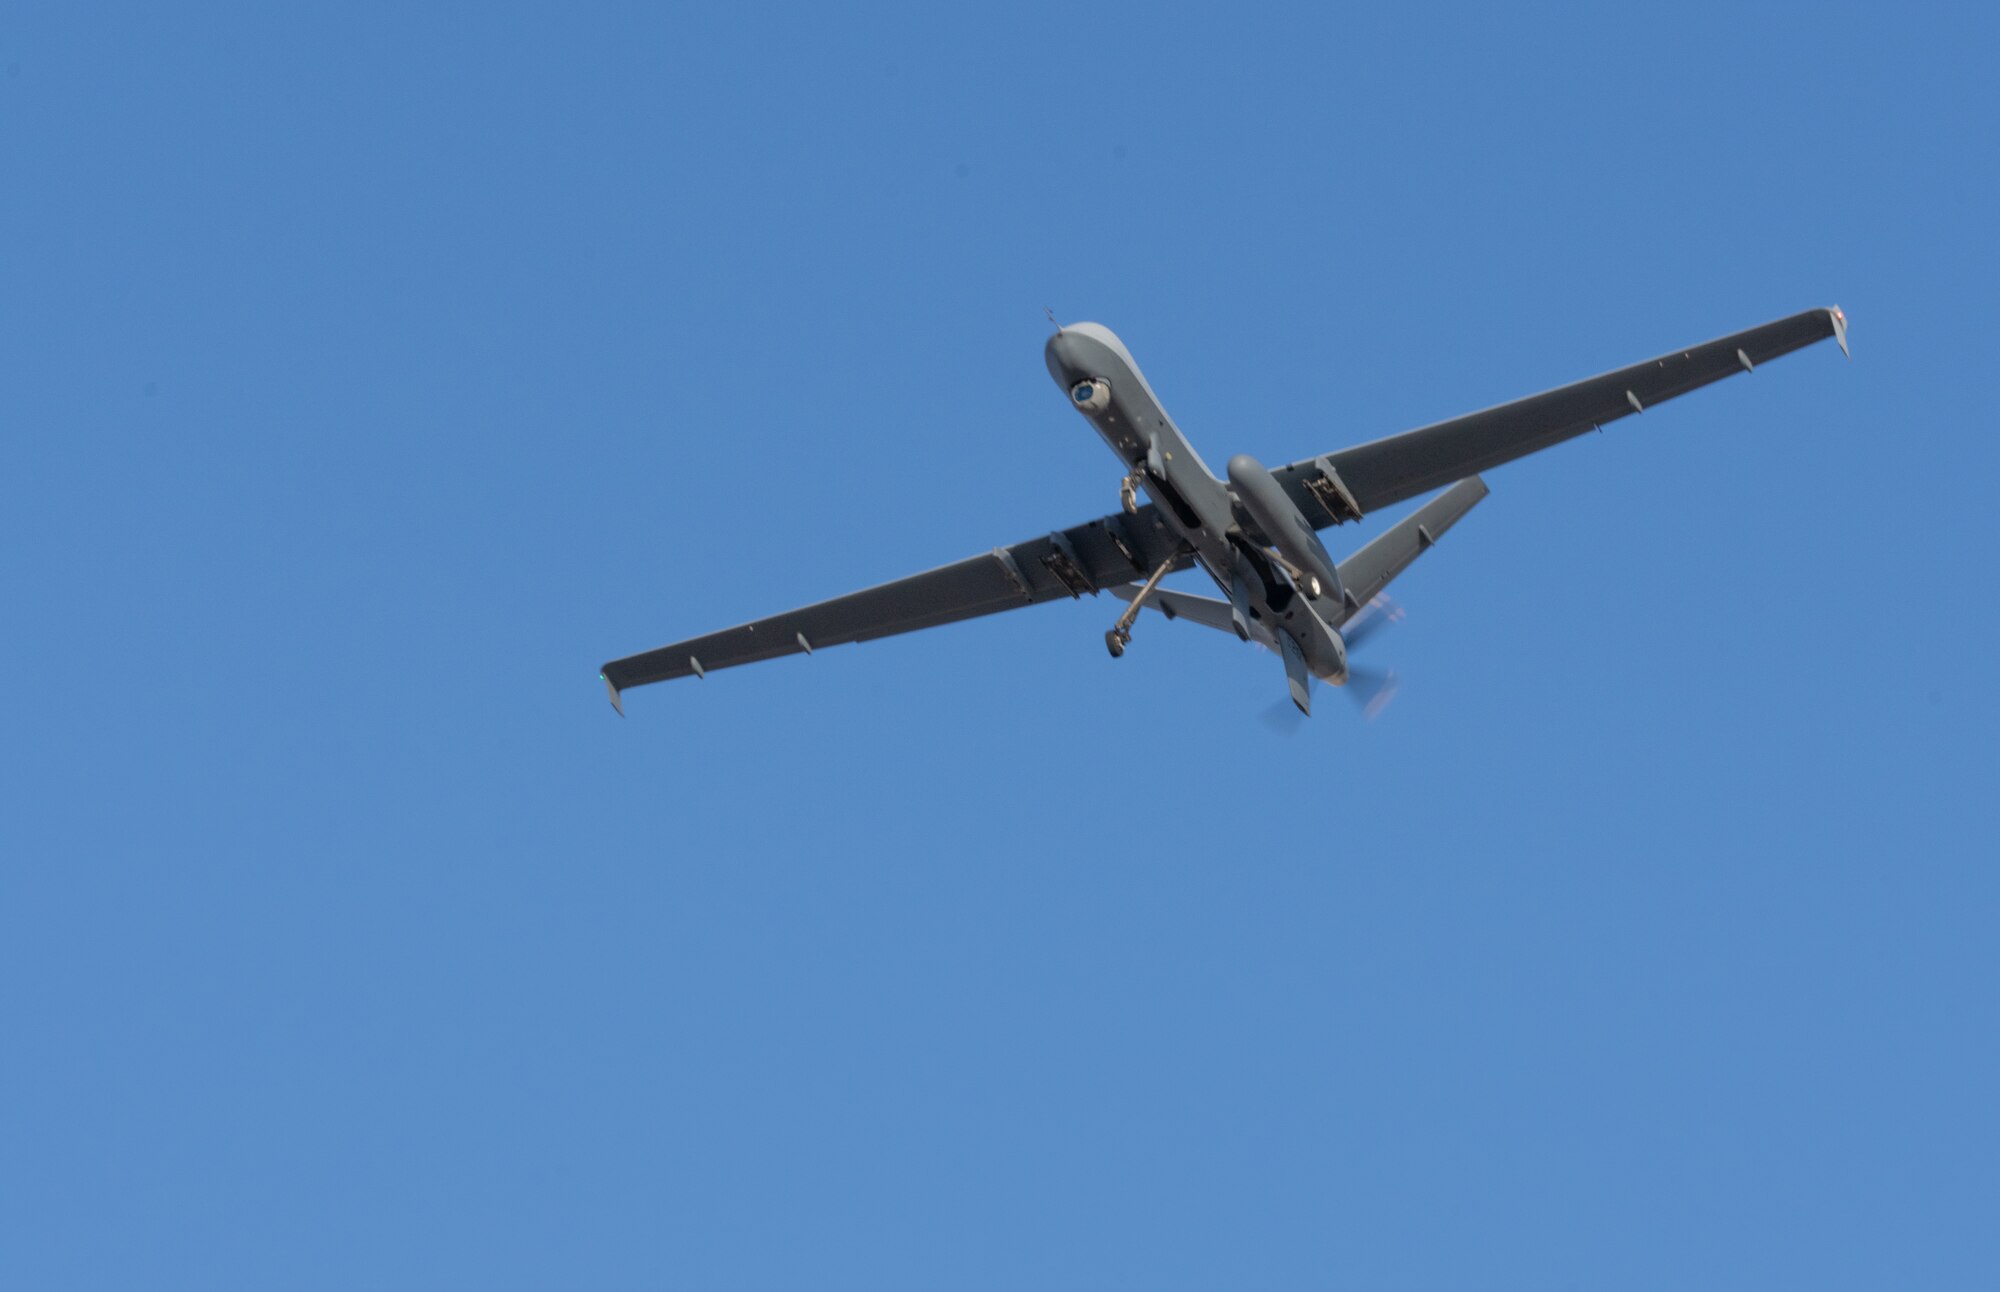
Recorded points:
(1369, 570)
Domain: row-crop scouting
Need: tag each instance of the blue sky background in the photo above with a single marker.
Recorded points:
(373, 374)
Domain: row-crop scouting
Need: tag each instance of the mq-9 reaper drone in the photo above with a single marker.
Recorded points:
(1254, 532)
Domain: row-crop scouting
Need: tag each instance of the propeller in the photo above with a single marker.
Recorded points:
(1371, 618)
(1371, 689)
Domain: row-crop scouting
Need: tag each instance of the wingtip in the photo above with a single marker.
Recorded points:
(617, 701)
(1839, 317)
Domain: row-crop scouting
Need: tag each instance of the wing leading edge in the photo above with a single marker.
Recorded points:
(1103, 553)
(1384, 472)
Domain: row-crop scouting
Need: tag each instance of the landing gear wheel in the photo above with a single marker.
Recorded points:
(1128, 496)
(1120, 635)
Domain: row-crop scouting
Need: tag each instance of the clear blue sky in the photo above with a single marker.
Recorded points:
(372, 373)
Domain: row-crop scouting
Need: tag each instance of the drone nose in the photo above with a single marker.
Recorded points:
(1065, 359)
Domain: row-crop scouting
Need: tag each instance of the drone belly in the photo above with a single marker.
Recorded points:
(1270, 606)
(1264, 505)
(1106, 387)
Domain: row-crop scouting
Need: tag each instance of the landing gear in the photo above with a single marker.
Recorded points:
(1128, 493)
(1120, 635)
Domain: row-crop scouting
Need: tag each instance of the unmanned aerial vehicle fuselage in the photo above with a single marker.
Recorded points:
(1254, 530)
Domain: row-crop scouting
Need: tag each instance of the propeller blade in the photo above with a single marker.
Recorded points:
(1381, 610)
(1371, 689)
(1283, 718)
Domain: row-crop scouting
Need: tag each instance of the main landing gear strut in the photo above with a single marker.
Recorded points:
(1120, 635)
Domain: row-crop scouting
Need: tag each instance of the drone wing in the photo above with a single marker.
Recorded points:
(1103, 553)
(1342, 486)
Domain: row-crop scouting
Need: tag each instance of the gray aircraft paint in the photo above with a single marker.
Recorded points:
(1136, 425)
(1265, 600)
(1116, 552)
